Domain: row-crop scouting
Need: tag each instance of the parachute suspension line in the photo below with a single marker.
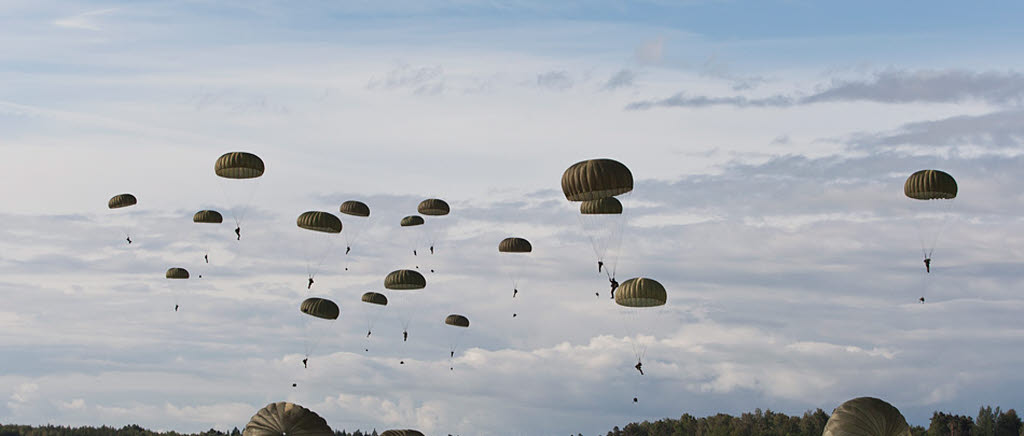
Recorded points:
(616, 240)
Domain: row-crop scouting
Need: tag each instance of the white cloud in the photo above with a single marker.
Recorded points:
(85, 21)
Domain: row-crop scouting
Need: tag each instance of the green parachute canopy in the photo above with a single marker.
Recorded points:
(433, 207)
(405, 279)
(640, 292)
(355, 208)
(514, 245)
(866, 416)
(176, 273)
(286, 419)
(457, 320)
(239, 165)
(601, 206)
(406, 432)
(121, 200)
(208, 216)
(319, 222)
(320, 308)
(930, 185)
(596, 178)
(412, 220)
(375, 298)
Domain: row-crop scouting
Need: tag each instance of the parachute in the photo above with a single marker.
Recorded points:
(413, 232)
(455, 337)
(121, 201)
(636, 296)
(433, 207)
(314, 329)
(436, 229)
(515, 261)
(318, 243)
(201, 234)
(866, 416)
(377, 302)
(601, 206)
(406, 432)
(234, 167)
(179, 284)
(404, 280)
(930, 216)
(286, 419)
(355, 227)
(595, 179)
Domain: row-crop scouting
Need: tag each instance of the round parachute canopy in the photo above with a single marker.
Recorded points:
(176, 273)
(375, 298)
(601, 206)
(866, 416)
(412, 220)
(286, 419)
(405, 279)
(208, 216)
(121, 200)
(239, 165)
(320, 308)
(457, 320)
(406, 432)
(514, 245)
(640, 292)
(319, 222)
(596, 178)
(355, 208)
(433, 207)
(930, 185)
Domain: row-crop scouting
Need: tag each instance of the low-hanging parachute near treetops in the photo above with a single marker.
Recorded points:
(513, 253)
(406, 432)
(178, 275)
(436, 228)
(286, 419)
(866, 416)
(320, 311)
(323, 228)
(202, 236)
(637, 297)
(234, 169)
(594, 182)
(357, 225)
(121, 201)
(936, 190)
(461, 323)
(404, 280)
(376, 303)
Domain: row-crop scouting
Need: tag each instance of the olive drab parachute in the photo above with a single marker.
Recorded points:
(640, 292)
(320, 308)
(411, 220)
(866, 416)
(121, 200)
(239, 165)
(601, 206)
(596, 178)
(457, 320)
(931, 216)
(286, 419)
(377, 302)
(930, 185)
(413, 233)
(236, 169)
(318, 243)
(514, 245)
(433, 207)
(405, 279)
(406, 432)
(207, 217)
(176, 273)
(375, 298)
(355, 208)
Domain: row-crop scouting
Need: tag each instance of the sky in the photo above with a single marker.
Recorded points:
(768, 141)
